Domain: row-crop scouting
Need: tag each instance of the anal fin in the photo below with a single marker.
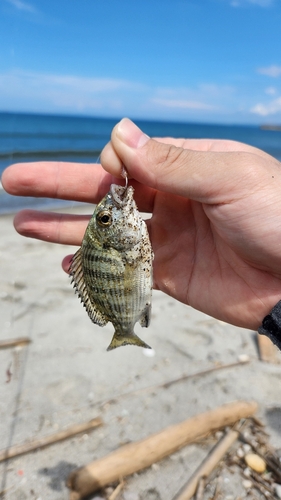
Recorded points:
(145, 317)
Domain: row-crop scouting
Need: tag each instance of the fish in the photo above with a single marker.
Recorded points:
(112, 270)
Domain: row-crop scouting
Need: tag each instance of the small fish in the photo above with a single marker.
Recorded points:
(112, 271)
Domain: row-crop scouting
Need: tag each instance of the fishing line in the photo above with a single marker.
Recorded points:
(124, 174)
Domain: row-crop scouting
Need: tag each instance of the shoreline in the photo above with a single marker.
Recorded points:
(40, 204)
(276, 128)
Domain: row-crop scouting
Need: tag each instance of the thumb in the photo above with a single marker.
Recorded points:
(199, 175)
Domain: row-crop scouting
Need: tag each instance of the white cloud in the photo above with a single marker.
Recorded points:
(202, 92)
(274, 71)
(205, 97)
(20, 5)
(214, 91)
(270, 91)
(57, 93)
(182, 104)
(27, 90)
(76, 83)
(271, 108)
(260, 3)
(43, 81)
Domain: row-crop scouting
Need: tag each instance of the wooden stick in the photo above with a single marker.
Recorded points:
(115, 494)
(21, 449)
(207, 466)
(141, 454)
(200, 488)
(216, 494)
(165, 385)
(169, 383)
(203, 372)
(7, 343)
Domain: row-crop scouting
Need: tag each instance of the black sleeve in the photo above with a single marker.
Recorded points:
(271, 325)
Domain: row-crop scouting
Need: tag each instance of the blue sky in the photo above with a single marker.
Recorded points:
(189, 60)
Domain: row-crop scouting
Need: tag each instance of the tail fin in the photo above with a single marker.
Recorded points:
(126, 339)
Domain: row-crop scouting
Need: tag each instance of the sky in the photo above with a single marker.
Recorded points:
(212, 61)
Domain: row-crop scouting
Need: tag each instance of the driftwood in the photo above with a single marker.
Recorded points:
(21, 449)
(136, 456)
(208, 465)
(7, 343)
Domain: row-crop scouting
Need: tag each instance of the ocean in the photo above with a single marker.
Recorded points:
(34, 137)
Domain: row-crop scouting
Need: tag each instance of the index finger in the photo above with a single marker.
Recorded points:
(67, 181)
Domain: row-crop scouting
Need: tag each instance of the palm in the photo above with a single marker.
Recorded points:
(191, 261)
(200, 261)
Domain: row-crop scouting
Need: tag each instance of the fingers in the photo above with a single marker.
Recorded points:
(113, 164)
(66, 263)
(205, 175)
(110, 161)
(67, 181)
(52, 227)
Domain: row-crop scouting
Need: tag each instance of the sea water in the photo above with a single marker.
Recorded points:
(34, 137)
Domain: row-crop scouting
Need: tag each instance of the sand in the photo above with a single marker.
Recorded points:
(65, 374)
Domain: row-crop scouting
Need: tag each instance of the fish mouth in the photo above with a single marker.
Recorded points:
(121, 195)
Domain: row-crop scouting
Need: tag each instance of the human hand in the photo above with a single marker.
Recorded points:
(216, 224)
(215, 229)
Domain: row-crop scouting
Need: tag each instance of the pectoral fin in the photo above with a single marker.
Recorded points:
(119, 340)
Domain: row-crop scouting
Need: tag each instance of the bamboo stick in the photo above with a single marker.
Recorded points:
(21, 449)
(141, 454)
(207, 466)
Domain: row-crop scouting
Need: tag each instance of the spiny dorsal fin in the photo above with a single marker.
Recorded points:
(76, 273)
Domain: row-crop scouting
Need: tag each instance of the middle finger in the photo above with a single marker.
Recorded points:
(66, 229)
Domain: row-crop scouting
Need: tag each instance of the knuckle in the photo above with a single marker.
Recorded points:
(168, 156)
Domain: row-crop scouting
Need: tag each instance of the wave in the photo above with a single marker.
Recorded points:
(52, 135)
(50, 154)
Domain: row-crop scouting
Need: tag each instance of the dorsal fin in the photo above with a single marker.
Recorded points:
(76, 273)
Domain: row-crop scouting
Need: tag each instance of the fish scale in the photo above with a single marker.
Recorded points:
(108, 288)
(112, 271)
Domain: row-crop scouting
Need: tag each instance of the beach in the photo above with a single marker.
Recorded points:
(65, 377)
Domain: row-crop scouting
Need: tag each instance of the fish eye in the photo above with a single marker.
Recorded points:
(104, 218)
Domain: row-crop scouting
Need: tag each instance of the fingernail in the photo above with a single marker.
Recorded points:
(130, 134)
